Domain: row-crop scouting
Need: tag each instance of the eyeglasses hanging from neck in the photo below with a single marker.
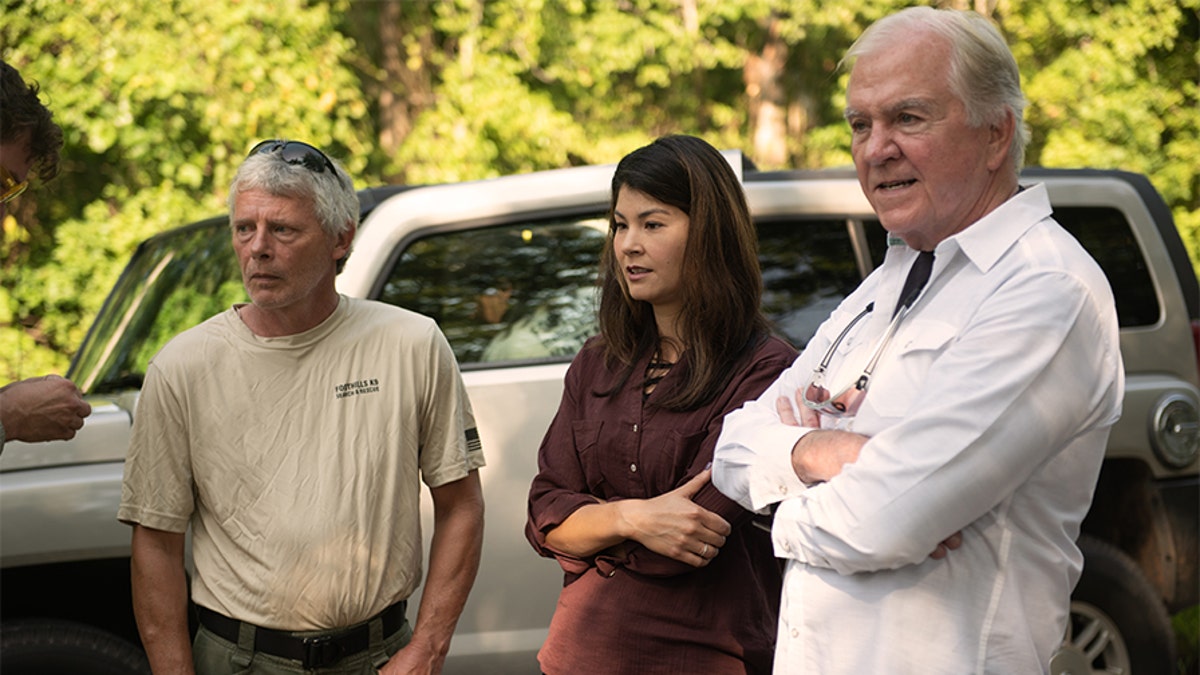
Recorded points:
(846, 401)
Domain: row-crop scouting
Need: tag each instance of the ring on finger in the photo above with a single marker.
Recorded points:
(704, 551)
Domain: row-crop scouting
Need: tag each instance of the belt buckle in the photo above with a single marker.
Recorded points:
(321, 652)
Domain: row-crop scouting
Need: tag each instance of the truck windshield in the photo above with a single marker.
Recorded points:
(174, 281)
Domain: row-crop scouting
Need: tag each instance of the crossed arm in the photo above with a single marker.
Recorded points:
(670, 524)
(947, 444)
(821, 454)
(665, 535)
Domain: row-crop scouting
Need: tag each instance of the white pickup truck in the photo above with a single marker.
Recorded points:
(507, 266)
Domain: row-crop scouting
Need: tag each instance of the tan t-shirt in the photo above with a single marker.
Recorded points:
(296, 460)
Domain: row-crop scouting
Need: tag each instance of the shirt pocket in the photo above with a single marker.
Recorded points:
(586, 434)
(902, 369)
(679, 454)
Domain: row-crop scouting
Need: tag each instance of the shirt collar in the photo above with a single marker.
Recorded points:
(990, 237)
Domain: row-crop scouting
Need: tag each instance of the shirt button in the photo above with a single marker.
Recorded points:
(795, 632)
(783, 489)
(635, 428)
(633, 468)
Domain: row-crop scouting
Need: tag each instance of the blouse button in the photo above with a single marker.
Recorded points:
(635, 428)
(633, 468)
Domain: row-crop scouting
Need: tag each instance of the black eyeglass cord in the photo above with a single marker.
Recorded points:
(918, 276)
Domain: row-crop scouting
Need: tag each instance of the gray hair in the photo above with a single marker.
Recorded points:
(335, 203)
(983, 71)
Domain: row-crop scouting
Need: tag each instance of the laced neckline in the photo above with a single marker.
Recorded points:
(656, 370)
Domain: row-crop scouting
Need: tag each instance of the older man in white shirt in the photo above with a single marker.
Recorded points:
(972, 416)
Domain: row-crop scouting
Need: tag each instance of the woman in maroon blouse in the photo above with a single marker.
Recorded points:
(663, 574)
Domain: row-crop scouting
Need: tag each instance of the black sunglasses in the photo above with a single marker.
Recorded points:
(296, 152)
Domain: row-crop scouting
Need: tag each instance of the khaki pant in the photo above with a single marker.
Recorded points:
(214, 655)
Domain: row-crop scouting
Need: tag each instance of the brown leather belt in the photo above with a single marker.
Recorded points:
(318, 651)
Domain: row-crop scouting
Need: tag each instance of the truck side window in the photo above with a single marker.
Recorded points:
(513, 292)
(1106, 234)
(808, 267)
(174, 281)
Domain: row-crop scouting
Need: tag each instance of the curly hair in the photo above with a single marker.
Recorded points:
(23, 114)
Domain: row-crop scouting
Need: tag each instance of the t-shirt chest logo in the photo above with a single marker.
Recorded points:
(368, 385)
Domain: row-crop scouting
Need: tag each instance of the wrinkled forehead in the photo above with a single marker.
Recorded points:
(253, 202)
(911, 69)
(923, 52)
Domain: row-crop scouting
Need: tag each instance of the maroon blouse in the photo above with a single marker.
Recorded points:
(644, 612)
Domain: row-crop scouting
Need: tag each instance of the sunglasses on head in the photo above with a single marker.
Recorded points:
(10, 189)
(296, 152)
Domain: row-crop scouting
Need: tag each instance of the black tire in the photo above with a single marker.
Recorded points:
(52, 647)
(1118, 622)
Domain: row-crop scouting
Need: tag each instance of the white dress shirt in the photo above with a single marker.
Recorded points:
(988, 414)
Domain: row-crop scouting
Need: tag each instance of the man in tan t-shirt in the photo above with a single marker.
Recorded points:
(291, 434)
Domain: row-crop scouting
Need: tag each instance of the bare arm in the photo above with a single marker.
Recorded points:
(453, 562)
(38, 409)
(820, 454)
(160, 600)
(670, 524)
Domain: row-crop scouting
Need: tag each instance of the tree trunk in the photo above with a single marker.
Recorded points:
(406, 86)
(767, 101)
(395, 116)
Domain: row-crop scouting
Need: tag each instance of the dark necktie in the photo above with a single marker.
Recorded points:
(918, 274)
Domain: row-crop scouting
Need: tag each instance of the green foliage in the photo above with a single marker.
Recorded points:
(482, 129)
(90, 254)
(159, 101)
(1116, 85)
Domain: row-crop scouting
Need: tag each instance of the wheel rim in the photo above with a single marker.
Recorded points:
(1095, 637)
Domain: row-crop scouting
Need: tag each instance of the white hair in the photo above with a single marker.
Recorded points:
(983, 72)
